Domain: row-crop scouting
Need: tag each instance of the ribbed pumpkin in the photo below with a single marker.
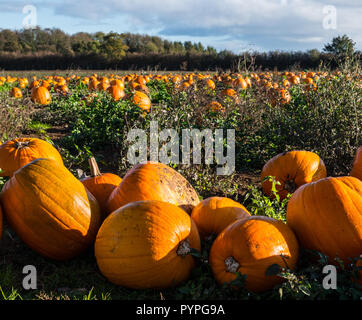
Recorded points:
(326, 216)
(101, 185)
(16, 153)
(153, 181)
(357, 164)
(50, 210)
(292, 169)
(214, 214)
(145, 244)
(141, 100)
(250, 246)
(40, 95)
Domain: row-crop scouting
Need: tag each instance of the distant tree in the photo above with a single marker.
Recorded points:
(112, 46)
(9, 41)
(341, 47)
(151, 47)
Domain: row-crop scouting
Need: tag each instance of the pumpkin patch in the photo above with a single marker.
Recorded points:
(76, 205)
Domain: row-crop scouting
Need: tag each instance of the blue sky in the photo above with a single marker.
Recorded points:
(236, 25)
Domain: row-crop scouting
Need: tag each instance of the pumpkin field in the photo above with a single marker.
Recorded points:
(97, 227)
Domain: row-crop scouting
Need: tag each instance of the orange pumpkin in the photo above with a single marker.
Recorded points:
(116, 92)
(56, 216)
(16, 153)
(292, 169)
(101, 185)
(250, 246)
(141, 100)
(215, 106)
(357, 164)
(326, 216)
(16, 92)
(214, 214)
(228, 92)
(240, 83)
(153, 181)
(63, 89)
(146, 244)
(40, 95)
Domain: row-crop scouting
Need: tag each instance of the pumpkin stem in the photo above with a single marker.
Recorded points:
(21, 144)
(290, 186)
(184, 248)
(231, 265)
(95, 172)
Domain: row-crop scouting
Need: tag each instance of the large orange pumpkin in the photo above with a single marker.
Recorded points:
(292, 169)
(326, 216)
(40, 95)
(145, 244)
(16, 153)
(357, 165)
(50, 210)
(153, 181)
(101, 185)
(250, 246)
(214, 214)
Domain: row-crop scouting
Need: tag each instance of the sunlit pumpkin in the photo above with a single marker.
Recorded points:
(56, 217)
(116, 92)
(17, 153)
(40, 95)
(141, 100)
(16, 92)
(292, 169)
(153, 181)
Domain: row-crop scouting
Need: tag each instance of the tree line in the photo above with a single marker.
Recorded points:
(51, 49)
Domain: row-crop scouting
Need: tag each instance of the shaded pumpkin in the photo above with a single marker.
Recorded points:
(251, 246)
(214, 214)
(101, 185)
(56, 216)
(40, 95)
(17, 153)
(292, 169)
(153, 181)
(357, 164)
(146, 244)
(326, 216)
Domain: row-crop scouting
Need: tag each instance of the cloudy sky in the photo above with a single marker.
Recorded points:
(236, 25)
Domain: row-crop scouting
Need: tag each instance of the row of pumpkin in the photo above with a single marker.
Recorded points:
(144, 226)
(277, 85)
